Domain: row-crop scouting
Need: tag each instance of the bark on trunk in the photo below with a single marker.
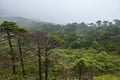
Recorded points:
(21, 57)
(80, 72)
(92, 75)
(46, 66)
(39, 62)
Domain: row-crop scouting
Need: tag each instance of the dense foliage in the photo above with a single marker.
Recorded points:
(75, 51)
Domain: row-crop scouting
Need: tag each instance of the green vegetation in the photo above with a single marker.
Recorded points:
(75, 51)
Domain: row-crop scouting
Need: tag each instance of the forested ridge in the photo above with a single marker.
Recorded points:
(47, 51)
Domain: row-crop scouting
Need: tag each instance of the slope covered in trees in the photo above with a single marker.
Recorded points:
(75, 51)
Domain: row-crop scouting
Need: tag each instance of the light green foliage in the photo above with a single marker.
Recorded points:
(93, 61)
(107, 77)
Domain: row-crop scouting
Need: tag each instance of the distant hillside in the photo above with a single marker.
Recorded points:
(23, 22)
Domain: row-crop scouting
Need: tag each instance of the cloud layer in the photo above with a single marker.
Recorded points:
(62, 11)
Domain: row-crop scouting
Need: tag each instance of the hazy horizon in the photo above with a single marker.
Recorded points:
(62, 11)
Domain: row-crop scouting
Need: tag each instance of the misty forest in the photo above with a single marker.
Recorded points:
(33, 50)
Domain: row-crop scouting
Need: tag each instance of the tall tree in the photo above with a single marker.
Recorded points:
(20, 33)
(105, 23)
(8, 28)
(117, 21)
(99, 23)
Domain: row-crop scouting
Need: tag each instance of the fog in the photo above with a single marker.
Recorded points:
(62, 11)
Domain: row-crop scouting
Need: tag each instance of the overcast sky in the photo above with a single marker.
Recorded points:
(62, 11)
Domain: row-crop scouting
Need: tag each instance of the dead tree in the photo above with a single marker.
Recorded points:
(39, 38)
(46, 46)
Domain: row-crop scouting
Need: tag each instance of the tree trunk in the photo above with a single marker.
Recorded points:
(46, 66)
(65, 75)
(80, 72)
(21, 58)
(39, 62)
(12, 53)
(92, 75)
